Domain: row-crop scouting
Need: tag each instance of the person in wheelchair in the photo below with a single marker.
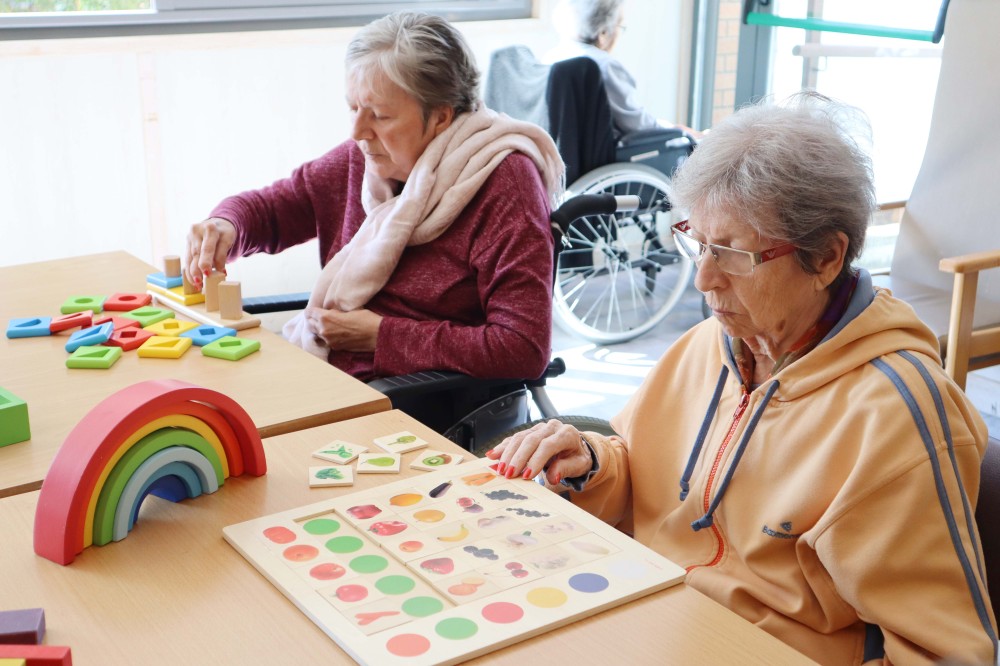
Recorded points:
(432, 220)
(591, 28)
(802, 453)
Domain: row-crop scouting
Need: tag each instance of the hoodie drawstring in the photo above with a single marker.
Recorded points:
(700, 440)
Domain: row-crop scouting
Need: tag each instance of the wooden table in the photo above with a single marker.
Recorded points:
(174, 592)
(282, 387)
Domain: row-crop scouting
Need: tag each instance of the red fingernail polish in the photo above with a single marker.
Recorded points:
(510, 473)
(558, 478)
(527, 473)
(488, 453)
(494, 466)
(502, 468)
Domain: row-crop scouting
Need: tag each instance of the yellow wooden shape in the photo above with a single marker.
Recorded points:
(161, 346)
(177, 295)
(171, 328)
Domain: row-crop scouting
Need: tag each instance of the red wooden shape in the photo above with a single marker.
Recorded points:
(119, 322)
(72, 479)
(129, 338)
(83, 319)
(123, 302)
(38, 655)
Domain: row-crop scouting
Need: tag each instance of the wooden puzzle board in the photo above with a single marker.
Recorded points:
(446, 566)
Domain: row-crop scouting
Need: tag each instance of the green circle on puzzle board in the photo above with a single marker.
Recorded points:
(321, 526)
(456, 628)
(344, 544)
(422, 606)
(367, 564)
(395, 584)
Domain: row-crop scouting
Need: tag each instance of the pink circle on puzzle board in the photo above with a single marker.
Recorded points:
(300, 553)
(546, 597)
(502, 612)
(408, 645)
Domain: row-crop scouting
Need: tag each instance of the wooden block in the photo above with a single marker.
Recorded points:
(331, 475)
(22, 627)
(149, 315)
(83, 319)
(199, 313)
(171, 327)
(129, 338)
(172, 265)
(117, 322)
(187, 288)
(339, 451)
(205, 334)
(38, 655)
(160, 346)
(429, 461)
(230, 300)
(400, 442)
(81, 303)
(378, 463)
(123, 302)
(95, 335)
(14, 425)
(176, 294)
(230, 348)
(29, 327)
(13, 662)
(212, 290)
(161, 280)
(94, 358)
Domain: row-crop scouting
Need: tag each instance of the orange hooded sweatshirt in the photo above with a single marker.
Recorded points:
(832, 506)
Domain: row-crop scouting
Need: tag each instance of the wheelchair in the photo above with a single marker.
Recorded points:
(619, 274)
(478, 413)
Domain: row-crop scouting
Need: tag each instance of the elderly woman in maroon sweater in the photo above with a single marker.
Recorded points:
(432, 220)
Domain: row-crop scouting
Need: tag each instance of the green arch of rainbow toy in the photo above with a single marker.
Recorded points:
(163, 436)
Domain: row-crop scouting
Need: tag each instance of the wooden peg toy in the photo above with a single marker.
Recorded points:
(230, 300)
(172, 266)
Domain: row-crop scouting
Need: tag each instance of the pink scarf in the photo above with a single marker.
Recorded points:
(444, 180)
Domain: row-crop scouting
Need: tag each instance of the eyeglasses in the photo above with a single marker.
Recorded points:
(728, 259)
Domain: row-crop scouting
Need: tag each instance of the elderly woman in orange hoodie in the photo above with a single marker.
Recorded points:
(802, 453)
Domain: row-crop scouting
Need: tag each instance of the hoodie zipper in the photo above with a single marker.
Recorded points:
(707, 500)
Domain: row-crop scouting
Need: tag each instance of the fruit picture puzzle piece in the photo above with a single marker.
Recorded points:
(429, 461)
(397, 591)
(379, 463)
(330, 475)
(400, 442)
(29, 327)
(14, 424)
(340, 452)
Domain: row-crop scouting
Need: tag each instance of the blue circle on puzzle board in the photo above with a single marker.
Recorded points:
(588, 582)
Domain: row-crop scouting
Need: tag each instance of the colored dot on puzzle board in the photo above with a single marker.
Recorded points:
(321, 526)
(408, 645)
(502, 612)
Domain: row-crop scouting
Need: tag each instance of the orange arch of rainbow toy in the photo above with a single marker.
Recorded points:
(64, 519)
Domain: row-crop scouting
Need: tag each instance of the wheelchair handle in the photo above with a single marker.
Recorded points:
(591, 204)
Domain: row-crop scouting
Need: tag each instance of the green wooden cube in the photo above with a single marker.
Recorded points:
(96, 357)
(148, 315)
(13, 419)
(230, 348)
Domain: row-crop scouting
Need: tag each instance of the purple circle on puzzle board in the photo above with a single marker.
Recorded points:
(629, 569)
(588, 582)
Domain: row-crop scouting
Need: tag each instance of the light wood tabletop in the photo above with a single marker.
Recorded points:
(174, 592)
(282, 387)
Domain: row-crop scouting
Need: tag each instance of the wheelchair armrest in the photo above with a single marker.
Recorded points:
(675, 136)
(435, 381)
(275, 303)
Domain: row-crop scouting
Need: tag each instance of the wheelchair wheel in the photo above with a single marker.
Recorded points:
(620, 274)
(581, 423)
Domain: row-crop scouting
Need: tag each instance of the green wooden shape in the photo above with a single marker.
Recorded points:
(94, 357)
(758, 18)
(230, 348)
(148, 315)
(111, 491)
(14, 426)
(81, 303)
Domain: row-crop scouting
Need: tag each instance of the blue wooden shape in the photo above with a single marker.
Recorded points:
(22, 627)
(204, 335)
(161, 280)
(170, 487)
(95, 335)
(29, 327)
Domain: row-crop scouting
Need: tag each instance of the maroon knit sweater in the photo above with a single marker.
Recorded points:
(477, 300)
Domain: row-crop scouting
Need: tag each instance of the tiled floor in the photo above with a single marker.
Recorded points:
(600, 379)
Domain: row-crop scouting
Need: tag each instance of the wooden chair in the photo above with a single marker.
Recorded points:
(951, 223)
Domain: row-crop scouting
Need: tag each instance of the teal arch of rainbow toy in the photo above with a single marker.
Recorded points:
(163, 437)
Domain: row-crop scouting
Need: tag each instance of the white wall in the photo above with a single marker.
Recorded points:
(123, 143)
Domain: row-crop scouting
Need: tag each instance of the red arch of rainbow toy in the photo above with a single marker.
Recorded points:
(68, 495)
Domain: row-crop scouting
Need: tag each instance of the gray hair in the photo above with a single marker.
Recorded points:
(422, 54)
(792, 171)
(587, 19)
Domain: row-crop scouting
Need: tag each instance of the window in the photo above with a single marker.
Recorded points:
(27, 19)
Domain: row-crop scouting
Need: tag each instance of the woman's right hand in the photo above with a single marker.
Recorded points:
(553, 447)
(208, 245)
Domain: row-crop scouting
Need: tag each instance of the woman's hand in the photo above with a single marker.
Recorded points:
(552, 447)
(208, 244)
(355, 331)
